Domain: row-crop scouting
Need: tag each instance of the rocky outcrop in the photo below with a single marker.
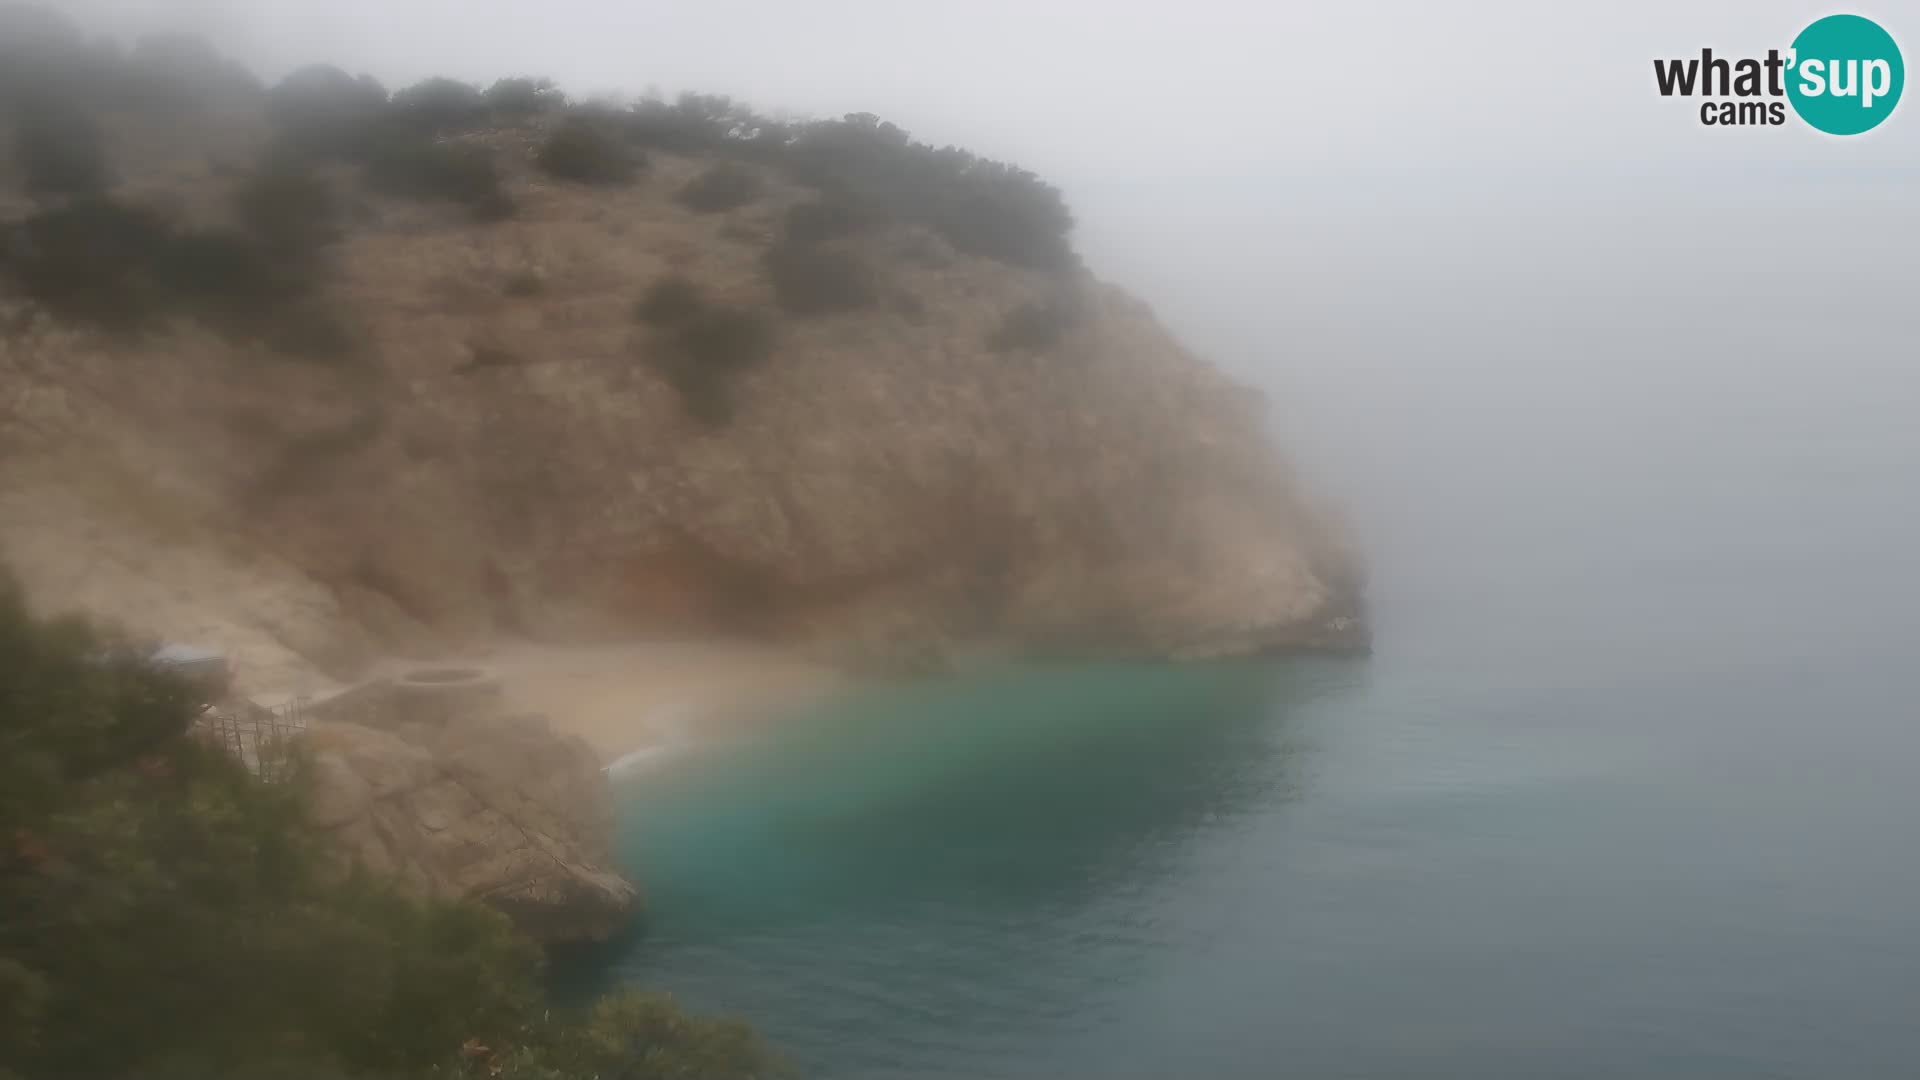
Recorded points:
(892, 489)
(492, 808)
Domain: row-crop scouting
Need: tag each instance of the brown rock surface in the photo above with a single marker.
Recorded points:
(891, 490)
(495, 809)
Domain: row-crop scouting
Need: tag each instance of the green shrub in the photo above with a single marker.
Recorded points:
(585, 152)
(288, 207)
(982, 207)
(438, 106)
(166, 913)
(709, 350)
(671, 301)
(694, 122)
(727, 338)
(321, 111)
(815, 222)
(91, 260)
(225, 274)
(524, 97)
(160, 876)
(123, 268)
(61, 151)
(462, 173)
(726, 186)
(1036, 326)
(810, 280)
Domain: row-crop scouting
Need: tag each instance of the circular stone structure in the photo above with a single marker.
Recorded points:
(447, 694)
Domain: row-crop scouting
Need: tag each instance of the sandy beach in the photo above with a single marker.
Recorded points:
(627, 697)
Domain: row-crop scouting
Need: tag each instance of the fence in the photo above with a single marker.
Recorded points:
(257, 736)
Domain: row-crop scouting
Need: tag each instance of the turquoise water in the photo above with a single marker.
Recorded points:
(1627, 789)
(1303, 871)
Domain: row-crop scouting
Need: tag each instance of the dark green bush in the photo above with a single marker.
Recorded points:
(814, 222)
(671, 301)
(694, 122)
(288, 207)
(462, 173)
(1037, 326)
(166, 913)
(709, 350)
(124, 268)
(438, 106)
(91, 260)
(726, 186)
(225, 274)
(983, 207)
(586, 152)
(811, 280)
(524, 97)
(61, 151)
(321, 111)
(158, 875)
(727, 338)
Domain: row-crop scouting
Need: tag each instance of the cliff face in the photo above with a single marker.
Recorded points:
(508, 458)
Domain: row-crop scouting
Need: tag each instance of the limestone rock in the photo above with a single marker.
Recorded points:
(500, 810)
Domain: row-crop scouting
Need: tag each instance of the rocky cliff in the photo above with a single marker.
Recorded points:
(508, 452)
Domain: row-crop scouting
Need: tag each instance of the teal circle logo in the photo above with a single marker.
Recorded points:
(1845, 75)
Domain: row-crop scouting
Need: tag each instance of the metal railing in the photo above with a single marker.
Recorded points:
(258, 737)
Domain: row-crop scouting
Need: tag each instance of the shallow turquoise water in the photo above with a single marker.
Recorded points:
(1290, 871)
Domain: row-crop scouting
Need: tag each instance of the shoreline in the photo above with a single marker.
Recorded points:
(635, 701)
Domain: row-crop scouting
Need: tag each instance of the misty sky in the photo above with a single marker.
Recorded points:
(1082, 88)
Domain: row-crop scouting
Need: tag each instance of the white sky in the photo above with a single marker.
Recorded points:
(1079, 88)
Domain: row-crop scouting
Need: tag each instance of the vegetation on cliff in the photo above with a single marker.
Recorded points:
(88, 255)
(164, 912)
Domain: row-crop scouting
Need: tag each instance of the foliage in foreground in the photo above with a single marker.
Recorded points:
(164, 913)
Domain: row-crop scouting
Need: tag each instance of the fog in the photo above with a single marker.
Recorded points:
(1452, 243)
(1622, 409)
